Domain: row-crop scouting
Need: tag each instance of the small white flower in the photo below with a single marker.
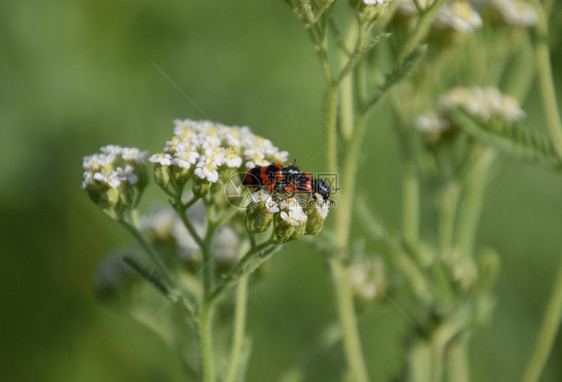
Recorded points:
(431, 122)
(111, 150)
(207, 169)
(369, 2)
(112, 179)
(132, 154)
(88, 179)
(295, 215)
(185, 156)
(271, 205)
(322, 208)
(162, 159)
(230, 159)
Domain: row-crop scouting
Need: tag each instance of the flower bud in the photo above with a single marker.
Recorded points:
(284, 230)
(162, 176)
(291, 222)
(200, 187)
(317, 211)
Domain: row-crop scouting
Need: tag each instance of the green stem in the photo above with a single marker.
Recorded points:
(342, 221)
(471, 205)
(249, 263)
(449, 202)
(208, 272)
(331, 106)
(542, 55)
(344, 299)
(548, 331)
(204, 330)
(133, 230)
(421, 29)
(410, 203)
(239, 323)
(458, 370)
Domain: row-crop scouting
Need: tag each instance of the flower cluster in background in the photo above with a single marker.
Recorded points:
(463, 17)
(486, 104)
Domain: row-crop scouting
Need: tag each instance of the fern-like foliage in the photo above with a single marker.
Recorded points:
(513, 139)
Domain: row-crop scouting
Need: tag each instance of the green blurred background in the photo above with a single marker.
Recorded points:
(76, 75)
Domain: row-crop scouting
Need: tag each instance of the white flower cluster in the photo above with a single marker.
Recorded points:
(292, 212)
(483, 103)
(207, 147)
(370, 2)
(114, 167)
(294, 209)
(457, 15)
(518, 13)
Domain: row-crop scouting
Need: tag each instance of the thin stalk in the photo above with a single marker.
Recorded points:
(448, 210)
(208, 272)
(149, 251)
(343, 218)
(471, 205)
(252, 260)
(331, 106)
(542, 55)
(239, 324)
(204, 331)
(346, 311)
(421, 29)
(410, 203)
(548, 331)
(457, 368)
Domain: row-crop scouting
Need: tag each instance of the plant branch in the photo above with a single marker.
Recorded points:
(548, 331)
(542, 55)
(239, 323)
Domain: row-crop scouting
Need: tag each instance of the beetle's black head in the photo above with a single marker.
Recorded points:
(319, 186)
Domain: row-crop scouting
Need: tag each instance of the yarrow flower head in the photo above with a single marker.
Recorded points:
(210, 151)
(291, 215)
(459, 16)
(115, 178)
(486, 104)
(483, 103)
(516, 13)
